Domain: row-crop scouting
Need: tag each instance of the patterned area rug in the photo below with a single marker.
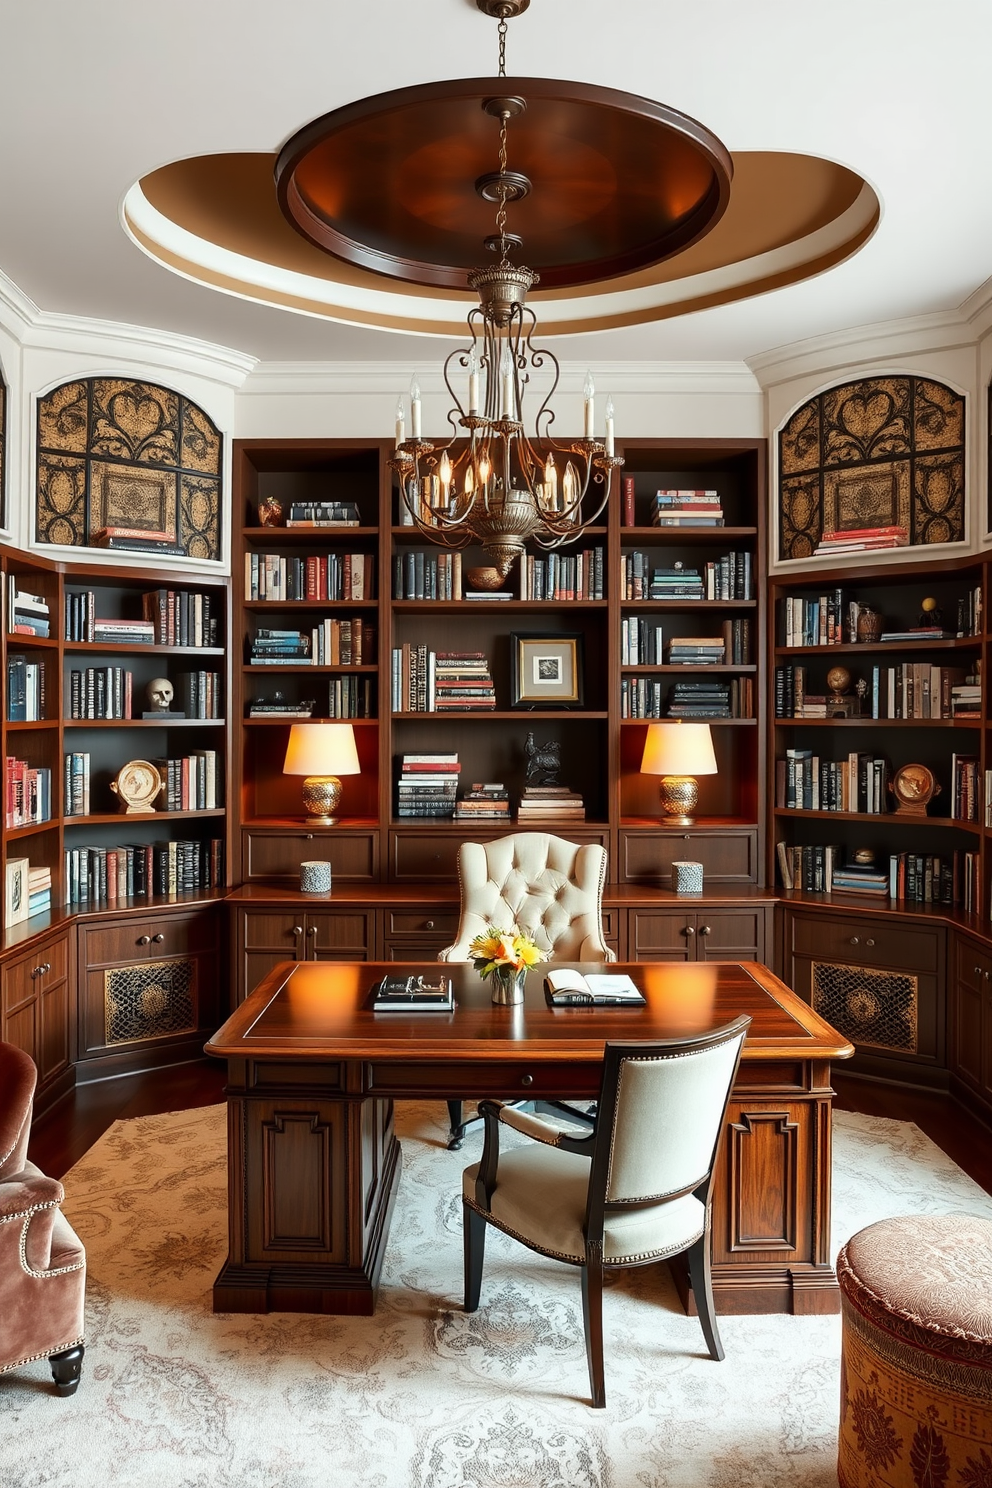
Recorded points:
(422, 1396)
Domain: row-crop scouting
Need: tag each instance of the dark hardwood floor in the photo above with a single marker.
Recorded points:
(62, 1136)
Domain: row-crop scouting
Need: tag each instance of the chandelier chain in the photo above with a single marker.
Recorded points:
(502, 46)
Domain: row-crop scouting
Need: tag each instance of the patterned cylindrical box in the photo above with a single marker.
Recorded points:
(315, 878)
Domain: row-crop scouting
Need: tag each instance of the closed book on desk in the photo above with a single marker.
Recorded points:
(413, 994)
(566, 987)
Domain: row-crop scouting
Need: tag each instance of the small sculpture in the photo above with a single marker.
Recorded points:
(838, 680)
(869, 624)
(271, 512)
(543, 761)
(160, 693)
(930, 613)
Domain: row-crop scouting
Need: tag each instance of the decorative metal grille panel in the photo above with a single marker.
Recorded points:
(149, 1000)
(880, 452)
(877, 1009)
(117, 453)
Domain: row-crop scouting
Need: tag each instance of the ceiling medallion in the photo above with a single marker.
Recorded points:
(388, 183)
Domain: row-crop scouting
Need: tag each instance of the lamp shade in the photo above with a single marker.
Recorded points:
(321, 749)
(678, 749)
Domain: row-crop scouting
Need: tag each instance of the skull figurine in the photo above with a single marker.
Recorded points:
(160, 694)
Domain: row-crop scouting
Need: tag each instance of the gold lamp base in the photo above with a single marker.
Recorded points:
(321, 797)
(679, 798)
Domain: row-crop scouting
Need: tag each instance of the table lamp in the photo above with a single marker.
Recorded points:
(321, 752)
(678, 752)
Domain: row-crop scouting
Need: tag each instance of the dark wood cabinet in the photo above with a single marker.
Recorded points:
(971, 1018)
(148, 982)
(274, 855)
(879, 980)
(711, 933)
(265, 936)
(729, 855)
(35, 1012)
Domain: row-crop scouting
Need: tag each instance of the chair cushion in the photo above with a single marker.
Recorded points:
(541, 1196)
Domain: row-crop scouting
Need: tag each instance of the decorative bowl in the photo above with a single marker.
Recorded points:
(484, 578)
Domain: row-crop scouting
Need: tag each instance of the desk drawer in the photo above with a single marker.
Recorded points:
(468, 1081)
(431, 923)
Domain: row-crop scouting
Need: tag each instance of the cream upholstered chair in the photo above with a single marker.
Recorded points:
(42, 1263)
(634, 1191)
(551, 888)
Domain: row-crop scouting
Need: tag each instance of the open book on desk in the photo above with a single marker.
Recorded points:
(566, 987)
(412, 994)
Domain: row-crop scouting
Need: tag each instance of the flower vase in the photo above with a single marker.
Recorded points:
(508, 985)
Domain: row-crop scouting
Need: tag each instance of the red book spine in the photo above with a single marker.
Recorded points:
(628, 501)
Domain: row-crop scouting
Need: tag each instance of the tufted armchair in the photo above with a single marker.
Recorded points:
(551, 888)
(42, 1263)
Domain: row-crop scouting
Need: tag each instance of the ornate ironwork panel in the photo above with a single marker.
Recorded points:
(874, 1009)
(881, 452)
(149, 1000)
(114, 452)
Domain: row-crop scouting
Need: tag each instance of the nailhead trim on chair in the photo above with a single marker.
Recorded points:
(628, 1258)
(59, 1348)
(26, 1215)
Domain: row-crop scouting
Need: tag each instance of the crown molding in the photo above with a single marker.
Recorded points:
(941, 330)
(390, 378)
(45, 330)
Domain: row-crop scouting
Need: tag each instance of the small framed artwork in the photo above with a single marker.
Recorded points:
(546, 670)
(15, 898)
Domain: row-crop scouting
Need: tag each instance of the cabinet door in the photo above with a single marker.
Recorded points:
(661, 935)
(263, 938)
(970, 1060)
(341, 935)
(730, 935)
(728, 857)
(19, 1023)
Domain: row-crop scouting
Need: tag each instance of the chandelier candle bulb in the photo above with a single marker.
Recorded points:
(400, 424)
(415, 409)
(473, 382)
(609, 427)
(507, 399)
(589, 394)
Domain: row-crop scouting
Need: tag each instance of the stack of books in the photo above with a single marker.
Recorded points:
(39, 890)
(418, 575)
(484, 802)
(279, 707)
(861, 540)
(135, 540)
(677, 582)
(124, 632)
(462, 680)
(323, 514)
(696, 651)
(687, 509)
(640, 641)
(853, 879)
(428, 785)
(564, 576)
(729, 577)
(77, 784)
(554, 803)
(109, 874)
(29, 613)
(966, 699)
(100, 692)
(350, 697)
(274, 647)
(199, 693)
(180, 617)
(331, 576)
(699, 700)
(342, 642)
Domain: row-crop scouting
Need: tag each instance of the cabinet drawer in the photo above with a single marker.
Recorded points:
(276, 856)
(24, 978)
(727, 857)
(412, 923)
(167, 935)
(873, 942)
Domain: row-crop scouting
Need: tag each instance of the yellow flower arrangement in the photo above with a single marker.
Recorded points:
(512, 948)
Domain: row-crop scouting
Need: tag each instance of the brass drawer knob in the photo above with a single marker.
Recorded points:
(430, 925)
(705, 930)
(854, 940)
(869, 941)
(144, 940)
(526, 1079)
(158, 939)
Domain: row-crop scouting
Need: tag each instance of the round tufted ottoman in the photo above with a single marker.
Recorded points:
(916, 1366)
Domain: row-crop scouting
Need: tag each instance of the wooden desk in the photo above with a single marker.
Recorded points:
(314, 1163)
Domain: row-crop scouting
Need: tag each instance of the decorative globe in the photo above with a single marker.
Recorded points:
(838, 680)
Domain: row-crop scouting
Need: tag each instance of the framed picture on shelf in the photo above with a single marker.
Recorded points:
(546, 670)
(15, 898)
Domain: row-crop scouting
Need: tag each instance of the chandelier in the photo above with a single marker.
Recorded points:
(393, 184)
(503, 486)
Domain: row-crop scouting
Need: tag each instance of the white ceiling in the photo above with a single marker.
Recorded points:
(94, 95)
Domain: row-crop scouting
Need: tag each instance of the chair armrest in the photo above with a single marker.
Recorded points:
(531, 1126)
(33, 1191)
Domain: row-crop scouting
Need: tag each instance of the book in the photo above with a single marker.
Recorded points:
(566, 987)
(412, 994)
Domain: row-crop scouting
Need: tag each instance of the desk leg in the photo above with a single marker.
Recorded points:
(311, 1186)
